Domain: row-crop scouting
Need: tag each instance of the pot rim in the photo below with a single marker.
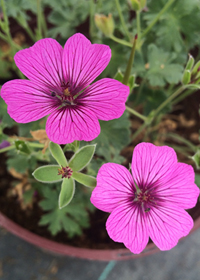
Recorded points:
(83, 253)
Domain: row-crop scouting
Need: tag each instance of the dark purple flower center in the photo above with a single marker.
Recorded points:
(66, 172)
(64, 95)
(144, 198)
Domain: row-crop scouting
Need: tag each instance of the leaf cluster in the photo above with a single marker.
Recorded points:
(72, 218)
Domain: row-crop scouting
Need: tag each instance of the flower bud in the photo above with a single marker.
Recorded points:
(186, 77)
(190, 63)
(105, 24)
(196, 69)
(138, 4)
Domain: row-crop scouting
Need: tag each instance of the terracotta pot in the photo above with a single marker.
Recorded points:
(90, 254)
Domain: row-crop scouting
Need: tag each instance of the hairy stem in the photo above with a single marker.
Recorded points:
(122, 19)
(135, 113)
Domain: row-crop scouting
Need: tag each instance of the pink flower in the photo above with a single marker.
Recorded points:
(150, 202)
(59, 86)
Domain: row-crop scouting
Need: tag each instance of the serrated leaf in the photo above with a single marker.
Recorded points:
(178, 28)
(58, 154)
(66, 193)
(161, 69)
(71, 218)
(84, 179)
(21, 162)
(47, 174)
(82, 157)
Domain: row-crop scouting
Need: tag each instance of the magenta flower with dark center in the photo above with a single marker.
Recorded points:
(59, 86)
(150, 202)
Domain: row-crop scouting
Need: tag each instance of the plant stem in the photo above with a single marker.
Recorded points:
(122, 19)
(120, 41)
(92, 25)
(138, 26)
(130, 63)
(167, 5)
(7, 149)
(183, 140)
(135, 113)
(36, 145)
(142, 127)
(185, 94)
(39, 20)
(8, 37)
(170, 98)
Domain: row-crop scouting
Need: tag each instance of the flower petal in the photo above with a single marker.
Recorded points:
(68, 124)
(106, 98)
(167, 225)
(26, 100)
(42, 62)
(127, 224)
(180, 187)
(114, 185)
(83, 62)
(151, 164)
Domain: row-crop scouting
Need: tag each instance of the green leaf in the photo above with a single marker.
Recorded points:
(21, 162)
(62, 16)
(84, 179)
(197, 179)
(82, 157)
(151, 99)
(22, 146)
(196, 159)
(161, 70)
(71, 218)
(67, 192)
(114, 136)
(4, 116)
(47, 174)
(58, 154)
(119, 76)
(178, 28)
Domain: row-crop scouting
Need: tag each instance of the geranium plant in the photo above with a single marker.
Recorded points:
(74, 109)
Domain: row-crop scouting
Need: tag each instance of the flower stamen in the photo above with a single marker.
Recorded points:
(66, 172)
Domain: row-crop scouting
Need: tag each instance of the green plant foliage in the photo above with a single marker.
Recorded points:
(21, 162)
(178, 28)
(161, 70)
(84, 179)
(113, 138)
(66, 16)
(67, 192)
(196, 159)
(58, 154)
(47, 174)
(152, 98)
(4, 117)
(18, 8)
(197, 179)
(71, 218)
(82, 157)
